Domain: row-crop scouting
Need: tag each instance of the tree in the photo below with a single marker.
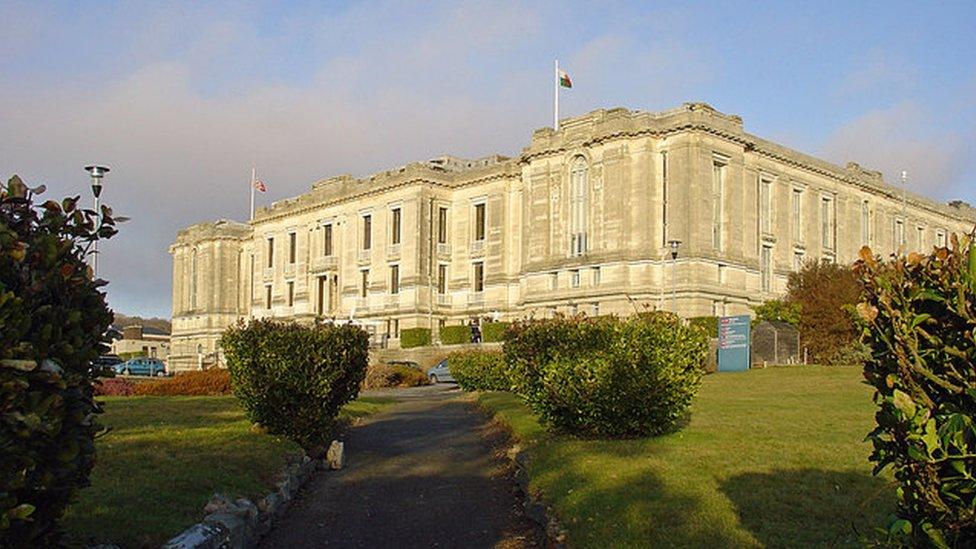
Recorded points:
(826, 295)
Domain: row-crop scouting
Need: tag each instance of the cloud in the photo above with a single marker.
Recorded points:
(902, 137)
(878, 72)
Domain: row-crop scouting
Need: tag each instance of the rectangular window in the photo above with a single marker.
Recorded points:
(797, 261)
(442, 279)
(320, 301)
(367, 231)
(442, 225)
(664, 198)
(292, 237)
(575, 278)
(250, 293)
(267, 296)
(898, 238)
(364, 283)
(327, 240)
(765, 204)
(721, 273)
(796, 218)
(291, 293)
(270, 253)
(596, 309)
(827, 223)
(718, 194)
(479, 276)
(596, 276)
(395, 222)
(865, 223)
(480, 222)
(940, 239)
(394, 279)
(920, 238)
(766, 267)
(553, 281)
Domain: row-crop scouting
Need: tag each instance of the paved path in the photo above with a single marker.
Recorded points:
(417, 475)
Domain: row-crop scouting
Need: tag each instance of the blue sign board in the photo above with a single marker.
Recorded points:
(733, 343)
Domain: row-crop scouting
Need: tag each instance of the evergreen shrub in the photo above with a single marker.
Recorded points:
(494, 331)
(707, 323)
(479, 370)
(414, 337)
(455, 335)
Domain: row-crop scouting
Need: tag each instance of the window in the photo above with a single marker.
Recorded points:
(722, 268)
(920, 238)
(442, 279)
(865, 223)
(553, 281)
(718, 192)
(796, 209)
(327, 240)
(193, 280)
(766, 268)
(898, 236)
(596, 276)
(765, 203)
(797, 261)
(394, 279)
(270, 252)
(574, 278)
(267, 296)
(395, 223)
(396, 328)
(827, 222)
(250, 289)
(479, 276)
(364, 283)
(480, 221)
(578, 205)
(367, 231)
(442, 225)
(596, 309)
(940, 239)
(320, 302)
(291, 293)
(292, 237)
(664, 198)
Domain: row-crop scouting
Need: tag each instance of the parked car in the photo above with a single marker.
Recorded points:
(107, 361)
(142, 367)
(440, 372)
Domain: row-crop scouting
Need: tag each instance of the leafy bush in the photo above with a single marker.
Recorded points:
(455, 335)
(52, 321)
(131, 355)
(292, 379)
(778, 310)
(493, 331)
(608, 376)
(213, 382)
(707, 323)
(479, 370)
(115, 386)
(379, 376)
(414, 337)
(825, 294)
(920, 314)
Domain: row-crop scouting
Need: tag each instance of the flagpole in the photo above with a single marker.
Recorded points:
(253, 179)
(555, 97)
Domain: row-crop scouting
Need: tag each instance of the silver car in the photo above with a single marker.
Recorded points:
(440, 373)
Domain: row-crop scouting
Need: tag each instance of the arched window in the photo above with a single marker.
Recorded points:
(579, 194)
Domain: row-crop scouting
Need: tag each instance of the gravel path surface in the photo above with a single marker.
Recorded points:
(420, 474)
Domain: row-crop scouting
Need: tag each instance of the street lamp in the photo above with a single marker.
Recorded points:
(97, 173)
(673, 245)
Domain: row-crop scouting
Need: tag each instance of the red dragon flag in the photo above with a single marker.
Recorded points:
(259, 185)
(562, 81)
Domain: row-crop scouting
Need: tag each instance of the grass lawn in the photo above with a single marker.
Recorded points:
(771, 458)
(165, 457)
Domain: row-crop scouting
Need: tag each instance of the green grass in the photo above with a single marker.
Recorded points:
(771, 458)
(165, 457)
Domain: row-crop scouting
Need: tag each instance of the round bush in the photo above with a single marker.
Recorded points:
(479, 370)
(292, 379)
(608, 377)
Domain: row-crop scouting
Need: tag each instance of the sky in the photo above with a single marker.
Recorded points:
(182, 99)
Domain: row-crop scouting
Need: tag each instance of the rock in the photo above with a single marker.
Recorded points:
(200, 536)
(269, 503)
(235, 527)
(336, 455)
(218, 503)
(246, 508)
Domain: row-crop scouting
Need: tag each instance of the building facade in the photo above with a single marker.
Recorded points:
(579, 222)
(148, 342)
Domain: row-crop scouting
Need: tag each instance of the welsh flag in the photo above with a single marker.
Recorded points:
(564, 80)
(260, 186)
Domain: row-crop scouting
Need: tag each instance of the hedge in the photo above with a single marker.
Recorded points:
(414, 337)
(707, 323)
(920, 316)
(479, 370)
(53, 317)
(608, 377)
(213, 382)
(494, 331)
(380, 376)
(455, 335)
(292, 379)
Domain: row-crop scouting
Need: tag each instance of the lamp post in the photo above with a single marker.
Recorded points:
(673, 245)
(97, 173)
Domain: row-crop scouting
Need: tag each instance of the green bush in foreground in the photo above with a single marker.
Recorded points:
(455, 335)
(414, 337)
(52, 321)
(608, 376)
(707, 323)
(494, 331)
(921, 316)
(292, 379)
(478, 370)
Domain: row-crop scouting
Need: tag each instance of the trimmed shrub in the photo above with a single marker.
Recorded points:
(455, 335)
(608, 376)
(414, 337)
(778, 310)
(920, 315)
(380, 376)
(494, 331)
(292, 379)
(53, 318)
(478, 370)
(213, 382)
(114, 386)
(707, 323)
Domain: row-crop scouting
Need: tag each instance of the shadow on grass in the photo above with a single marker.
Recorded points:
(803, 505)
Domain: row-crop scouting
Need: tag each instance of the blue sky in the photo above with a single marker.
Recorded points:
(182, 98)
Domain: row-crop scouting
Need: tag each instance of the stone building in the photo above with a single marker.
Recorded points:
(146, 341)
(580, 221)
